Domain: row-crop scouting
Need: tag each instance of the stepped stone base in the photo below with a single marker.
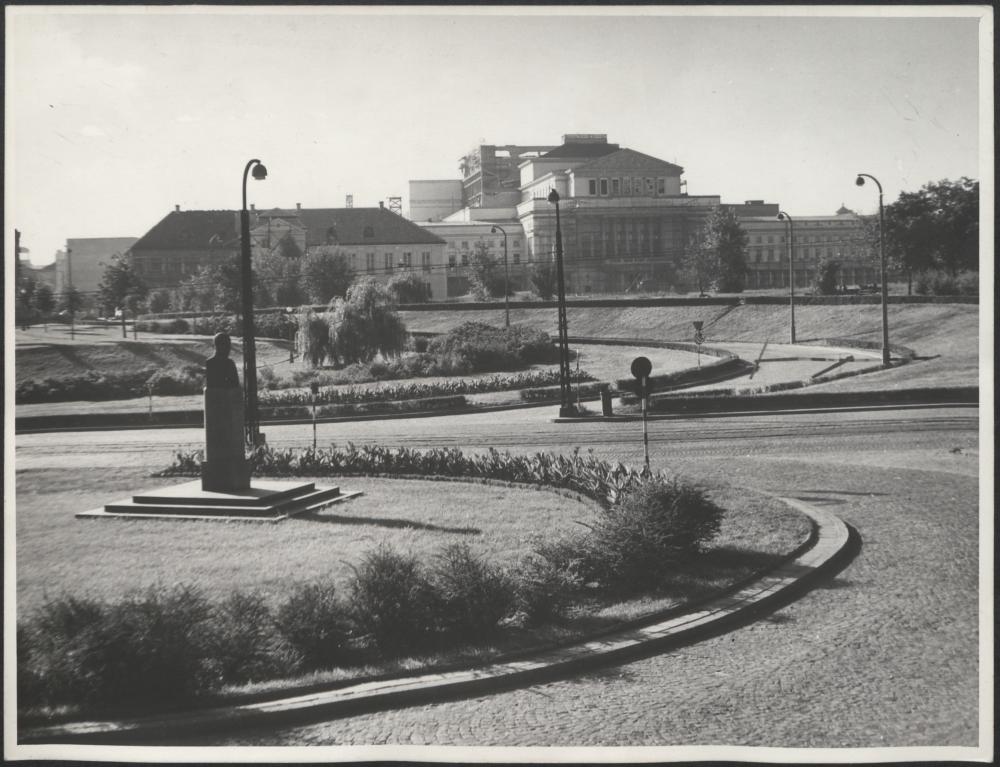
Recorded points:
(263, 501)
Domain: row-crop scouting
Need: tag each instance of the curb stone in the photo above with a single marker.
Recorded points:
(831, 542)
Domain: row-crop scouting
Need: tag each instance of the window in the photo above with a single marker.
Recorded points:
(369, 262)
(465, 244)
(770, 254)
(627, 187)
(388, 262)
(452, 260)
(408, 260)
(616, 186)
(517, 258)
(592, 185)
(649, 186)
(661, 186)
(604, 187)
(425, 261)
(354, 261)
(770, 239)
(465, 258)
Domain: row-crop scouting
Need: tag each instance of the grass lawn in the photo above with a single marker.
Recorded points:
(58, 554)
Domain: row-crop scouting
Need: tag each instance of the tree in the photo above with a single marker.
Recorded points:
(543, 279)
(26, 288)
(159, 301)
(214, 287)
(279, 278)
(325, 275)
(487, 280)
(936, 227)
(70, 301)
(365, 323)
(117, 283)
(725, 243)
(699, 267)
(312, 339)
(45, 302)
(826, 276)
(409, 288)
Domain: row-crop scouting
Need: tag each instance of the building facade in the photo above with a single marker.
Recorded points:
(83, 262)
(374, 242)
(464, 238)
(839, 237)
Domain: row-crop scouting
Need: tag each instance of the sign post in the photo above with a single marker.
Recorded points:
(641, 368)
(699, 338)
(314, 388)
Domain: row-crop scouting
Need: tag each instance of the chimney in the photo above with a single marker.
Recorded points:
(177, 208)
(252, 207)
(298, 206)
(381, 204)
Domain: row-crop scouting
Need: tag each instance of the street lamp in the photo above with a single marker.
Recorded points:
(860, 181)
(782, 216)
(506, 275)
(253, 435)
(566, 409)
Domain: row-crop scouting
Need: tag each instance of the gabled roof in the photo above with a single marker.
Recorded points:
(580, 150)
(191, 230)
(630, 160)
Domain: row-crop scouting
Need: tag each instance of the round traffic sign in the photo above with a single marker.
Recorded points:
(641, 367)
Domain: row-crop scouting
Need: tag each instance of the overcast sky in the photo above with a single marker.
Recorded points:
(114, 116)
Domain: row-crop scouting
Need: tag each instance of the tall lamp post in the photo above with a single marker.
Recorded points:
(782, 216)
(253, 435)
(506, 275)
(566, 409)
(860, 181)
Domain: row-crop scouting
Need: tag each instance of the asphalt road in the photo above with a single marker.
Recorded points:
(886, 654)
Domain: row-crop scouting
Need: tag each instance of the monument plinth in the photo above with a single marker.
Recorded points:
(225, 491)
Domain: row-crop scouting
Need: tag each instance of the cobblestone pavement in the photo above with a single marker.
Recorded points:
(885, 654)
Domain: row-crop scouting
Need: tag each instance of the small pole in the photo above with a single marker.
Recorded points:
(315, 388)
(645, 431)
(150, 390)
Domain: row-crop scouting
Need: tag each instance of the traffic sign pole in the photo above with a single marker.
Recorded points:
(645, 430)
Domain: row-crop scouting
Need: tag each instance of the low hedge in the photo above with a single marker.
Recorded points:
(361, 408)
(549, 393)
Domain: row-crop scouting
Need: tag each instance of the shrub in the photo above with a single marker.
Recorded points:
(473, 595)
(149, 648)
(477, 347)
(942, 283)
(275, 325)
(187, 380)
(642, 538)
(544, 587)
(245, 644)
(390, 600)
(409, 288)
(315, 624)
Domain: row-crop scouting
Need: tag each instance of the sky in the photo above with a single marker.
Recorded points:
(115, 115)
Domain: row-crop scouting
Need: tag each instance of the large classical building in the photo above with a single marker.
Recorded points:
(625, 216)
(373, 240)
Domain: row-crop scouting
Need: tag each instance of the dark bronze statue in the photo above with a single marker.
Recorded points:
(220, 371)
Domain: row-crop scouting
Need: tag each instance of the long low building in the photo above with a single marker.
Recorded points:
(374, 241)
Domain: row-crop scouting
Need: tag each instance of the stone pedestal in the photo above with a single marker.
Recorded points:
(225, 469)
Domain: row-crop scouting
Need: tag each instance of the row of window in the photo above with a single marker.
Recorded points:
(758, 239)
(515, 243)
(453, 258)
(626, 187)
(779, 254)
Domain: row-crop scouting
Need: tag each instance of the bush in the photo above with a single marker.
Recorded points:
(315, 624)
(472, 595)
(941, 283)
(187, 380)
(544, 586)
(245, 644)
(654, 527)
(476, 347)
(149, 648)
(391, 600)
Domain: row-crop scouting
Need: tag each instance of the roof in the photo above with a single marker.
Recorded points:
(98, 247)
(573, 150)
(630, 160)
(191, 230)
(202, 229)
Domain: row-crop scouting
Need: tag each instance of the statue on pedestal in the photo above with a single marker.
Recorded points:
(225, 469)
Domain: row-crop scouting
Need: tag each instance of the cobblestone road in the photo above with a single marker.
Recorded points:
(883, 655)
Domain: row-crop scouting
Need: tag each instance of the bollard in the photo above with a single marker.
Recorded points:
(606, 401)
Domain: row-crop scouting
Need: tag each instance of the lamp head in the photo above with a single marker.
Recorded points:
(553, 196)
(860, 181)
(782, 216)
(493, 230)
(259, 172)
